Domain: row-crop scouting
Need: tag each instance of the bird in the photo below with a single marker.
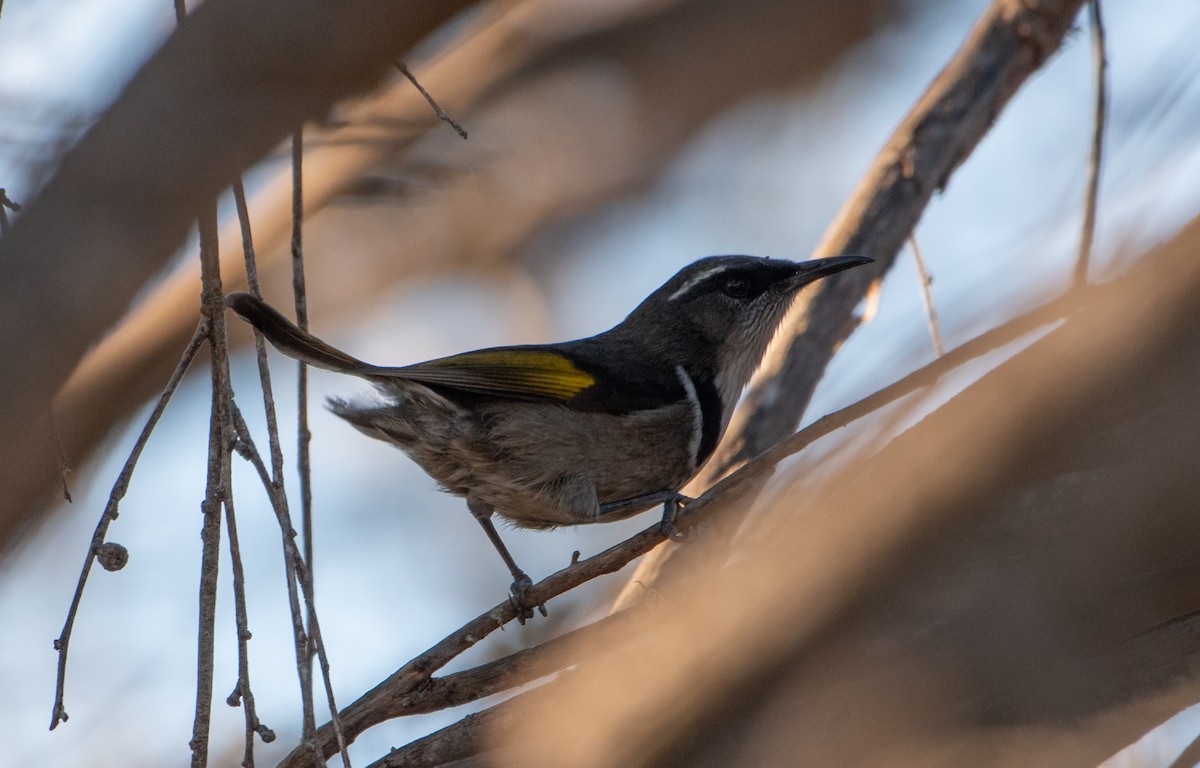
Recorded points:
(576, 432)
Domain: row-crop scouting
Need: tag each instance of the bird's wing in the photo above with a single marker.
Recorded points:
(530, 373)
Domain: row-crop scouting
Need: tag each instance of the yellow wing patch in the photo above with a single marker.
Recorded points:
(517, 372)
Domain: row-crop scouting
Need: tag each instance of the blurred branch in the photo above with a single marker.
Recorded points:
(1009, 43)
(225, 88)
(926, 282)
(536, 79)
(437, 108)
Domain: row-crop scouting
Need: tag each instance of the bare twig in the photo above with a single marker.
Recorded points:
(303, 436)
(437, 109)
(243, 693)
(217, 491)
(248, 257)
(120, 487)
(935, 333)
(304, 570)
(1100, 63)
(296, 574)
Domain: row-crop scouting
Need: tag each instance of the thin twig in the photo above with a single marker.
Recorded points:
(300, 293)
(313, 646)
(437, 109)
(1100, 64)
(394, 696)
(119, 489)
(217, 490)
(316, 643)
(252, 724)
(243, 694)
(248, 258)
(935, 333)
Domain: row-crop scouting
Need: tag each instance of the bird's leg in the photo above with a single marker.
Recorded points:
(671, 501)
(670, 509)
(521, 581)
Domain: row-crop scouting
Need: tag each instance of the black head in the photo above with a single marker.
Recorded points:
(723, 310)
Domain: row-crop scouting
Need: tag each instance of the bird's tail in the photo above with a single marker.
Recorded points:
(291, 340)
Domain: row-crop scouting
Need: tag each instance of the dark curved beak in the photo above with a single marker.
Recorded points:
(808, 271)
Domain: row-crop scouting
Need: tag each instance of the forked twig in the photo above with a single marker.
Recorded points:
(110, 513)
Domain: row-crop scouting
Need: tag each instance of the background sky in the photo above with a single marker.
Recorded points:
(399, 565)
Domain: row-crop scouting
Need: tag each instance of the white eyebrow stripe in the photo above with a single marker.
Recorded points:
(690, 284)
(697, 414)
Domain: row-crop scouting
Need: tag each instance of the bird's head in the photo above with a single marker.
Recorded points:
(717, 316)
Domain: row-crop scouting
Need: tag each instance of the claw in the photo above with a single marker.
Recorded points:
(517, 592)
(670, 509)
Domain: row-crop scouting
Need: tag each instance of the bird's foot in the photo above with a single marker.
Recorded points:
(518, 597)
(670, 509)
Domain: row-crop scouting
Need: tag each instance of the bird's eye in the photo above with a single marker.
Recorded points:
(737, 288)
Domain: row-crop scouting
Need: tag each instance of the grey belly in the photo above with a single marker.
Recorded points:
(554, 466)
(536, 464)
